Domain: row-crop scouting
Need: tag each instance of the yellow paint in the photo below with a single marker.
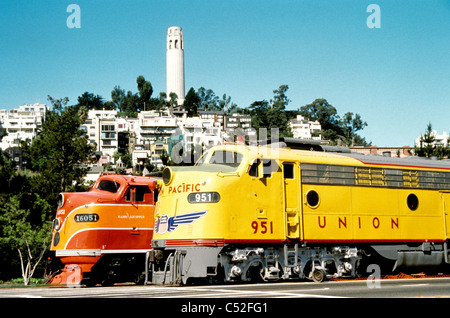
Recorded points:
(254, 208)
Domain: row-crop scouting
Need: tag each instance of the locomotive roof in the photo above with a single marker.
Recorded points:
(353, 158)
(317, 150)
(343, 157)
(127, 178)
(411, 161)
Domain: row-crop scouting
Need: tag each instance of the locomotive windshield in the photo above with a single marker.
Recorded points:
(228, 158)
(108, 185)
(224, 157)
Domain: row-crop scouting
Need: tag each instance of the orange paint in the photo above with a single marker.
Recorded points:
(114, 216)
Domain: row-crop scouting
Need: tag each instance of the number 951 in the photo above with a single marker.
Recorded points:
(262, 227)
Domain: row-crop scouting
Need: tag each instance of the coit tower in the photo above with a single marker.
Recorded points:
(175, 63)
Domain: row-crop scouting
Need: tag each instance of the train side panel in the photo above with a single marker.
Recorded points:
(363, 214)
(258, 214)
(108, 227)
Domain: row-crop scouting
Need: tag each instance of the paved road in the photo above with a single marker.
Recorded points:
(432, 287)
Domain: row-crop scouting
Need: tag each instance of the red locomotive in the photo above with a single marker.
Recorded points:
(104, 235)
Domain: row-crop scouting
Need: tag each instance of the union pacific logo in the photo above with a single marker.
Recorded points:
(168, 224)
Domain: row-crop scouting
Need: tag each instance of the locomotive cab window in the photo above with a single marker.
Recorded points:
(269, 166)
(288, 170)
(108, 185)
(253, 169)
(138, 194)
(227, 158)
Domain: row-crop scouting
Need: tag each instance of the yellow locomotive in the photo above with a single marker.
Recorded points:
(278, 211)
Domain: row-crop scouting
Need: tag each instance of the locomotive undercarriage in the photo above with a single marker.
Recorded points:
(237, 263)
(116, 268)
(289, 262)
(252, 263)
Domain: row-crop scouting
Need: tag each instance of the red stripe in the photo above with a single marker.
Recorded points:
(400, 165)
(195, 242)
(218, 242)
(221, 242)
(240, 241)
(375, 241)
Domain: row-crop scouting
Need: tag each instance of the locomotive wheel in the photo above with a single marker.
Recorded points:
(318, 275)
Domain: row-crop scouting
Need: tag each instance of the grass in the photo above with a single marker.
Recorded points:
(18, 282)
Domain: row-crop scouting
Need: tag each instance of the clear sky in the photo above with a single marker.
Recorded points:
(397, 77)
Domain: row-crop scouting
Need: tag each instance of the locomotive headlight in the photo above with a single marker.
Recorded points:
(56, 224)
(60, 200)
(167, 175)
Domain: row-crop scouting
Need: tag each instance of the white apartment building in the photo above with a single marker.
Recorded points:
(126, 132)
(155, 125)
(20, 124)
(238, 129)
(305, 129)
(101, 128)
(199, 132)
(154, 132)
(158, 130)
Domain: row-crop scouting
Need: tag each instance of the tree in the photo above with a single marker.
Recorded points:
(326, 114)
(25, 216)
(91, 102)
(165, 158)
(272, 115)
(208, 99)
(350, 125)
(173, 101)
(127, 160)
(277, 113)
(280, 100)
(191, 103)
(228, 106)
(60, 150)
(158, 103)
(6, 173)
(118, 98)
(427, 145)
(129, 103)
(258, 111)
(29, 239)
(334, 128)
(145, 92)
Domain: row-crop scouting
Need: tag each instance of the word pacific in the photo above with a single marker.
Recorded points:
(184, 188)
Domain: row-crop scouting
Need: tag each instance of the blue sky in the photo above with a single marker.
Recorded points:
(396, 77)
